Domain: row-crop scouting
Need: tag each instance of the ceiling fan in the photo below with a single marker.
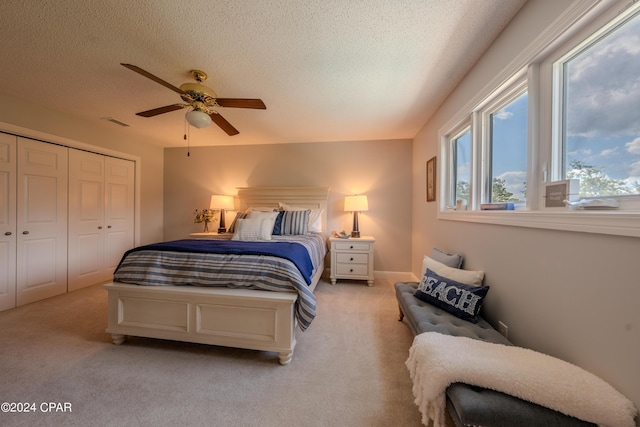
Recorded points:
(201, 99)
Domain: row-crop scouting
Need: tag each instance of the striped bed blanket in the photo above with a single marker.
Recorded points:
(285, 264)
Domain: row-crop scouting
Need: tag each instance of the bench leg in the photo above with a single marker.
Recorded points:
(401, 316)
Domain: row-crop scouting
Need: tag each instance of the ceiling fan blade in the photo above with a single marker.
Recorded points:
(161, 110)
(152, 77)
(241, 103)
(223, 124)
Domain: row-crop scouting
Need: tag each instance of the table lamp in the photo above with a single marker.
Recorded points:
(355, 204)
(219, 202)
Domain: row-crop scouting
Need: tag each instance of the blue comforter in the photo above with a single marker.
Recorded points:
(282, 266)
(294, 252)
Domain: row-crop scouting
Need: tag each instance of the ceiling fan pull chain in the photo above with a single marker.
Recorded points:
(187, 138)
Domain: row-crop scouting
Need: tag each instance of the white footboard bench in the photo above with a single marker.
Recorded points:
(241, 318)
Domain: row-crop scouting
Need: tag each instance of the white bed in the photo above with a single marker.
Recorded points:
(242, 318)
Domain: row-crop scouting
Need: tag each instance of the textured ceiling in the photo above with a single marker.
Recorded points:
(327, 70)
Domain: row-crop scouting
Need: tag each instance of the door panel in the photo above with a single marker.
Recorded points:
(7, 221)
(41, 220)
(86, 219)
(120, 210)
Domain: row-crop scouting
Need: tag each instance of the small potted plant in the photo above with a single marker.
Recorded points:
(206, 216)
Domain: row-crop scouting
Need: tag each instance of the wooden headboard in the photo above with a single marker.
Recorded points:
(303, 197)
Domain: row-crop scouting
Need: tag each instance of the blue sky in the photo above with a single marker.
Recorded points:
(603, 126)
(509, 156)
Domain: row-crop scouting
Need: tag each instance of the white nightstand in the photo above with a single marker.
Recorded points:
(211, 236)
(352, 258)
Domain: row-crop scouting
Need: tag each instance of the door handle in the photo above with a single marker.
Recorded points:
(25, 232)
(100, 227)
(108, 226)
(8, 233)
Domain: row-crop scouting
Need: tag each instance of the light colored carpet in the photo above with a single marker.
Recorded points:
(347, 370)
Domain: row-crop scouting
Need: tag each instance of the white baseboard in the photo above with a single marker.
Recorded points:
(397, 276)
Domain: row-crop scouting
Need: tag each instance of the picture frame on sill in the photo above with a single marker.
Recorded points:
(431, 179)
(556, 192)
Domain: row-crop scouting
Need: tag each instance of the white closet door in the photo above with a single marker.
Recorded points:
(86, 219)
(119, 210)
(7, 221)
(42, 220)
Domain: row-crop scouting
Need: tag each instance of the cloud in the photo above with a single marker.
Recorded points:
(604, 89)
(609, 151)
(503, 115)
(514, 182)
(634, 173)
(633, 146)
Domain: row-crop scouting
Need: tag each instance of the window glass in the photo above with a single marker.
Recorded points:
(601, 129)
(508, 147)
(462, 167)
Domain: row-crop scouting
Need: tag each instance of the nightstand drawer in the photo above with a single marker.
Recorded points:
(354, 258)
(352, 269)
(352, 246)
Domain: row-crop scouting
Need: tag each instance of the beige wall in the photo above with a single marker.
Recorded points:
(15, 113)
(378, 169)
(571, 295)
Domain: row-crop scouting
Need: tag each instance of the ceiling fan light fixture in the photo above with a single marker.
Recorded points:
(198, 118)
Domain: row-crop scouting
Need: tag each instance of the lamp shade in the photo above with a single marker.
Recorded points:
(356, 203)
(198, 118)
(221, 202)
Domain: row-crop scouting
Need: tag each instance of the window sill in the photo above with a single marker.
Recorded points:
(618, 223)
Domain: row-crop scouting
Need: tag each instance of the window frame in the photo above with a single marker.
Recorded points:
(503, 97)
(449, 167)
(554, 65)
(582, 19)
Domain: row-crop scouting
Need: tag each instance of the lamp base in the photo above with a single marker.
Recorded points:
(355, 234)
(222, 230)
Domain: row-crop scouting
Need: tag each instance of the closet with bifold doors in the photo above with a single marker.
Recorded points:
(101, 211)
(50, 197)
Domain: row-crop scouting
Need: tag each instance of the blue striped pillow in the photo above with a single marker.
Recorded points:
(293, 222)
(234, 224)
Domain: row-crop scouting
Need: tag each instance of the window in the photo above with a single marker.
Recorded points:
(566, 108)
(600, 124)
(507, 148)
(461, 156)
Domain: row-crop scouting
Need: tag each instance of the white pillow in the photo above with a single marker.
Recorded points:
(261, 209)
(255, 214)
(315, 216)
(253, 229)
(468, 277)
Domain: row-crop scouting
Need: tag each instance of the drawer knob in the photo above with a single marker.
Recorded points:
(351, 247)
(351, 259)
(8, 233)
(351, 270)
(25, 232)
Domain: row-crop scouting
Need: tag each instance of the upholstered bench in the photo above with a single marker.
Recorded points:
(469, 405)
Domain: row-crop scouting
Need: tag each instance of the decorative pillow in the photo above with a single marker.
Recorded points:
(262, 209)
(254, 229)
(294, 222)
(234, 224)
(463, 301)
(277, 226)
(315, 216)
(450, 260)
(254, 214)
(468, 277)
